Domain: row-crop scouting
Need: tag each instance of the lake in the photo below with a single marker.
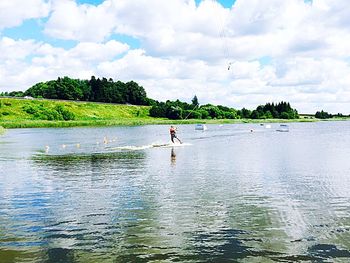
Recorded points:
(232, 193)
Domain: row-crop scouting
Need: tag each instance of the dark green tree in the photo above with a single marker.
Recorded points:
(194, 101)
(323, 115)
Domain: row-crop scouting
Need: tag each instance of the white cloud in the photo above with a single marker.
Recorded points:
(135, 65)
(185, 49)
(13, 50)
(14, 12)
(36, 62)
(97, 52)
(80, 22)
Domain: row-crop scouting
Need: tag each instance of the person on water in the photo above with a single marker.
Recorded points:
(173, 134)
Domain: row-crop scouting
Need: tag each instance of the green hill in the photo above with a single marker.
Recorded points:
(20, 113)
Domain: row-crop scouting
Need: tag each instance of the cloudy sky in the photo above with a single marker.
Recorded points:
(239, 53)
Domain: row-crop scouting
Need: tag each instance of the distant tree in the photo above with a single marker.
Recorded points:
(255, 114)
(95, 89)
(285, 115)
(204, 113)
(158, 110)
(281, 110)
(16, 94)
(245, 113)
(174, 113)
(192, 114)
(339, 115)
(323, 115)
(268, 115)
(136, 94)
(213, 111)
(194, 101)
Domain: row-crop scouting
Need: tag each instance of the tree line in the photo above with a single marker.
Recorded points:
(95, 89)
(110, 91)
(325, 115)
(182, 110)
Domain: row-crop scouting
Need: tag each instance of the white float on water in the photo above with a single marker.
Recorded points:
(283, 128)
(200, 127)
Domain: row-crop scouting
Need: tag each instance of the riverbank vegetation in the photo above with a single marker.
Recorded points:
(37, 113)
(325, 115)
(67, 102)
(182, 110)
(20, 113)
(2, 130)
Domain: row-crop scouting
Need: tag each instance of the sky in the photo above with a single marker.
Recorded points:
(238, 53)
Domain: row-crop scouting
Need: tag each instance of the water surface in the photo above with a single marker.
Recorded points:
(227, 195)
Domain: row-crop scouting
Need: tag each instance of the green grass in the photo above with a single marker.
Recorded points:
(20, 113)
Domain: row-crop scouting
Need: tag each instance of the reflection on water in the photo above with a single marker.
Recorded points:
(81, 164)
(173, 156)
(229, 195)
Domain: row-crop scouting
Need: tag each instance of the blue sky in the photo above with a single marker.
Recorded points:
(33, 28)
(294, 50)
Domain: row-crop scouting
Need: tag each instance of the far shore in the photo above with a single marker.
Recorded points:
(22, 113)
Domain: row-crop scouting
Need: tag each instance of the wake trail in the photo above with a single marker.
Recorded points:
(148, 146)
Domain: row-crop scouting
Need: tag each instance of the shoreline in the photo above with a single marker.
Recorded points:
(143, 121)
(33, 113)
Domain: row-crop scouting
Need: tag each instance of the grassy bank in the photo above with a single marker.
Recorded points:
(21, 113)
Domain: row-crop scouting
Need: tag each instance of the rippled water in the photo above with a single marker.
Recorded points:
(227, 195)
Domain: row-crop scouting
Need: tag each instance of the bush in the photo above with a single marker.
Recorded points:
(52, 115)
(196, 114)
(157, 111)
(66, 114)
(174, 113)
(191, 114)
(204, 114)
(29, 109)
(230, 115)
(58, 113)
(214, 112)
(284, 115)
